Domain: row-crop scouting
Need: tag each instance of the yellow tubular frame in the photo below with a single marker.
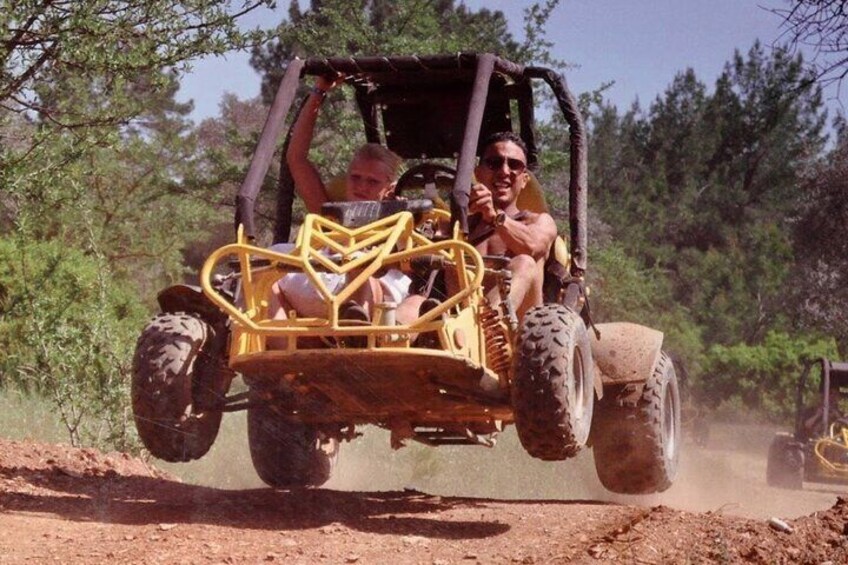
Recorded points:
(838, 440)
(389, 242)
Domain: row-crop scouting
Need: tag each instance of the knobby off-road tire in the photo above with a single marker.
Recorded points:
(553, 389)
(785, 465)
(175, 375)
(637, 448)
(288, 454)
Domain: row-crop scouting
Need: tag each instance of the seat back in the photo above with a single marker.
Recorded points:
(532, 198)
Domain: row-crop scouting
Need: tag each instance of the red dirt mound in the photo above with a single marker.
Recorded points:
(79, 505)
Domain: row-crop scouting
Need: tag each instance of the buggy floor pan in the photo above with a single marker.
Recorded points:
(377, 386)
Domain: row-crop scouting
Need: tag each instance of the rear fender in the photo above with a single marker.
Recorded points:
(625, 353)
(190, 298)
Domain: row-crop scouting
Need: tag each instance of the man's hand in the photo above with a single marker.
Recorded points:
(481, 202)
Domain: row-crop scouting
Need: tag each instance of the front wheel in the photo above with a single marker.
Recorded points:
(288, 454)
(177, 380)
(637, 448)
(552, 392)
(785, 464)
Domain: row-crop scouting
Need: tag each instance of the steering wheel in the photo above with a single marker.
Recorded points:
(423, 174)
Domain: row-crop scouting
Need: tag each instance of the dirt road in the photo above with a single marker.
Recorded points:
(80, 506)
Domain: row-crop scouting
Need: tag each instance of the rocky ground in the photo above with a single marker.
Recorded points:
(66, 505)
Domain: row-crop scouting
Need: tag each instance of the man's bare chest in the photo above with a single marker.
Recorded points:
(494, 245)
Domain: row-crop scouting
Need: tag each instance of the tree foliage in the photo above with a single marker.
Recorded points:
(379, 27)
(46, 42)
(715, 214)
(822, 247)
(762, 377)
(703, 185)
(97, 157)
(65, 329)
(64, 97)
(724, 225)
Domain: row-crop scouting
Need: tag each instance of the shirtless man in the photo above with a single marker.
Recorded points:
(523, 237)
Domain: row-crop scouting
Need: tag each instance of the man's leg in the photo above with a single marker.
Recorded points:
(368, 295)
(277, 309)
(526, 288)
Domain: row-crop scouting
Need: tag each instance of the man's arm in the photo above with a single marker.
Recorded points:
(307, 181)
(533, 235)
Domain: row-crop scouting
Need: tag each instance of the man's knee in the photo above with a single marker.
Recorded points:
(522, 264)
(524, 267)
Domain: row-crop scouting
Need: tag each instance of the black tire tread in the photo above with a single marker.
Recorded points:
(785, 464)
(545, 421)
(630, 454)
(288, 454)
(164, 374)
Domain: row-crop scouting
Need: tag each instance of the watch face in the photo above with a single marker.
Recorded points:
(500, 218)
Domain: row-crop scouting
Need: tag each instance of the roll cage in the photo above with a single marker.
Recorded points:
(832, 378)
(429, 107)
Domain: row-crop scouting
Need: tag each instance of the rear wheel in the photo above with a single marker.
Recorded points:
(177, 381)
(288, 454)
(785, 465)
(552, 393)
(637, 448)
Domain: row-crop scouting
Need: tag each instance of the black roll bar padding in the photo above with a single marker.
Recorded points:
(358, 65)
(285, 197)
(261, 160)
(526, 114)
(470, 139)
(244, 215)
(368, 111)
(285, 190)
(799, 399)
(578, 184)
(826, 396)
(839, 366)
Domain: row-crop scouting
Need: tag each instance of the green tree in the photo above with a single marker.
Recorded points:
(387, 27)
(95, 157)
(65, 329)
(821, 298)
(622, 290)
(703, 186)
(46, 40)
(762, 376)
(63, 97)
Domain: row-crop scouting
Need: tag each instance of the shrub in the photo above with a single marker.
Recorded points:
(67, 332)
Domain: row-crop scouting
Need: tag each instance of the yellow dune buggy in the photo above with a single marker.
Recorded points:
(817, 449)
(458, 373)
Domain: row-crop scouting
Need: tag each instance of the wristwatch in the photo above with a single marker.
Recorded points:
(499, 219)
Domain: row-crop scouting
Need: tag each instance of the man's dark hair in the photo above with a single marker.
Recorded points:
(503, 136)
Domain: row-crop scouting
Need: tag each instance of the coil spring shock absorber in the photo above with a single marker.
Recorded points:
(498, 346)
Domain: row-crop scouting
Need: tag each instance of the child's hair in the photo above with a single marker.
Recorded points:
(376, 152)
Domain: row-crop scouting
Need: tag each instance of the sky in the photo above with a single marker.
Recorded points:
(639, 44)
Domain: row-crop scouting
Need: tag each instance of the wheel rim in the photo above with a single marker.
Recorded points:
(578, 390)
(669, 427)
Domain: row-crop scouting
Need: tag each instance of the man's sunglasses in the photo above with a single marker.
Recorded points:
(496, 163)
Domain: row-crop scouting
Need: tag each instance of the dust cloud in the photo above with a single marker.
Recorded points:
(725, 476)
